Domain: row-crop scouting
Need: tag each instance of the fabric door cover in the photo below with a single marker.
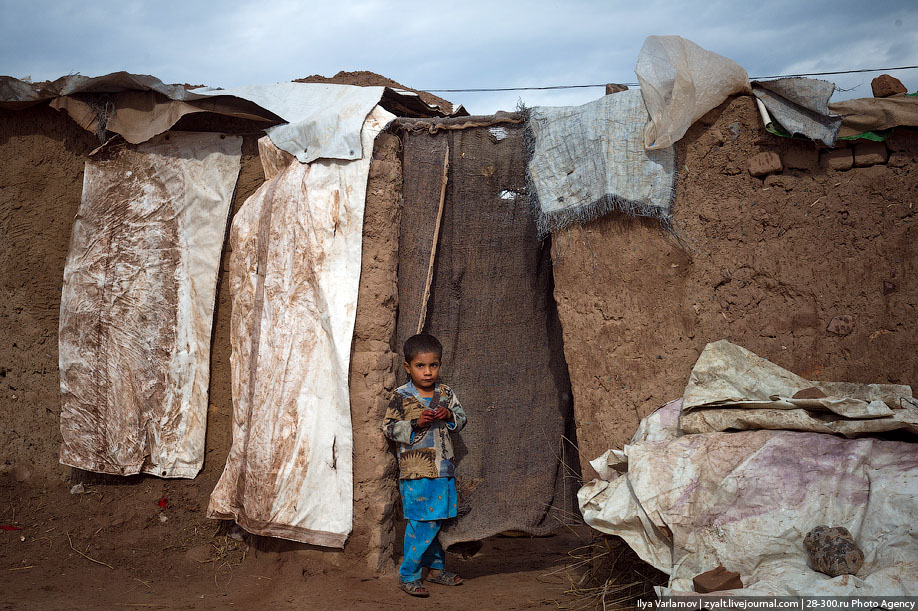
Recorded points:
(137, 304)
(491, 307)
(294, 274)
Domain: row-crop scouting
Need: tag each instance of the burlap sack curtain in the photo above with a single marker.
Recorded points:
(491, 306)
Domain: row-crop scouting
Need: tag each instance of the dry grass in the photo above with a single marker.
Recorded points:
(607, 574)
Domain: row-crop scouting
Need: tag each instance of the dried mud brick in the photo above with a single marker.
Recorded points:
(870, 153)
(717, 580)
(832, 550)
(764, 163)
(886, 85)
(800, 156)
(837, 159)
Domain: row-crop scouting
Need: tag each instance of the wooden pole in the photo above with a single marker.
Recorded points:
(433, 247)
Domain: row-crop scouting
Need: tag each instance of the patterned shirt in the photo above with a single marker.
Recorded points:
(425, 451)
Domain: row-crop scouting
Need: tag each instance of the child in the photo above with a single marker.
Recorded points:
(419, 418)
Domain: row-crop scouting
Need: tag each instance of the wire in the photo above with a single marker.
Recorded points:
(754, 78)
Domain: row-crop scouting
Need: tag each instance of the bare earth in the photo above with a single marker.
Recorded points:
(127, 551)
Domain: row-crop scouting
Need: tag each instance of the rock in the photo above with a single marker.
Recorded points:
(837, 159)
(78, 489)
(716, 580)
(800, 156)
(885, 85)
(615, 88)
(809, 393)
(764, 163)
(889, 287)
(869, 153)
(841, 325)
(734, 130)
(832, 550)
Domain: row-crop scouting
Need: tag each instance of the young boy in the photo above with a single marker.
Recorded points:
(420, 417)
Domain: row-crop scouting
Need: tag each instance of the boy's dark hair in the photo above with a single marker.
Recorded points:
(422, 342)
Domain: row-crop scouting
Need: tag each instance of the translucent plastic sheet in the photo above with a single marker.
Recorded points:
(137, 304)
(294, 274)
(680, 82)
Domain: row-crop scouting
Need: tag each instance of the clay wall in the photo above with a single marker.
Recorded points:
(765, 262)
(42, 154)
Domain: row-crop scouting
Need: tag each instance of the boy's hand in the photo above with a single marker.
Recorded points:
(441, 413)
(426, 417)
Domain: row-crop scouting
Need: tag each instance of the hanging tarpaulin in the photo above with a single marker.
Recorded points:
(590, 160)
(800, 106)
(294, 274)
(137, 304)
(680, 83)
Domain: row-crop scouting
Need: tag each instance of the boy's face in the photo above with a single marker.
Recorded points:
(424, 370)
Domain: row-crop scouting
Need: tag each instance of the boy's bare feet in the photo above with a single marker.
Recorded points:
(444, 578)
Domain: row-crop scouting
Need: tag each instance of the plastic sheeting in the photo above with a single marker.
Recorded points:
(731, 388)
(873, 114)
(590, 160)
(746, 500)
(321, 120)
(680, 82)
(800, 106)
(137, 304)
(294, 274)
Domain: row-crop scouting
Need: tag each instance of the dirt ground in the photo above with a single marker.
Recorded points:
(144, 542)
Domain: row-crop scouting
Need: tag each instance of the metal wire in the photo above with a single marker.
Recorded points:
(754, 78)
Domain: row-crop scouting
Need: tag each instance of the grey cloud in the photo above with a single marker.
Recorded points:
(450, 45)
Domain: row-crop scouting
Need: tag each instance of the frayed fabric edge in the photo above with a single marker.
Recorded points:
(547, 223)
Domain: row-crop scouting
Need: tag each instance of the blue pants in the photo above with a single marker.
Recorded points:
(422, 548)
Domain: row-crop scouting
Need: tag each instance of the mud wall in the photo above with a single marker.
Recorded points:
(42, 154)
(765, 262)
(374, 361)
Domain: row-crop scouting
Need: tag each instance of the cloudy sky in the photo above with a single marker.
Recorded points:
(450, 45)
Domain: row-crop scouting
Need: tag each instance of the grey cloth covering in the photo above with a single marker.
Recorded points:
(801, 106)
(491, 306)
(590, 160)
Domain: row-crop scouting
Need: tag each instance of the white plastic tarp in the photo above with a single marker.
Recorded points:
(137, 304)
(323, 121)
(680, 82)
(687, 504)
(731, 388)
(294, 273)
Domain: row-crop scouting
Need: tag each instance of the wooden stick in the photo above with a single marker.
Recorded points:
(85, 556)
(433, 247)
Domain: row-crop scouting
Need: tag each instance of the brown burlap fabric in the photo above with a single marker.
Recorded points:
(491, 306)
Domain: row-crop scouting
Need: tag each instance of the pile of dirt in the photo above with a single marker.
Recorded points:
(765, 262)
(363, 78)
